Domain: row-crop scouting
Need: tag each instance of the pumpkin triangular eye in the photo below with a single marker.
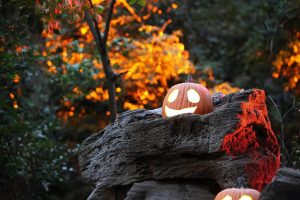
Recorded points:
(193, 96)
(227, 197)
(172, 97)
(245, 197)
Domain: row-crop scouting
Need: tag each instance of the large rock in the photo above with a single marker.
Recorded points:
(171, 189)
(285, 186)
(235, 139)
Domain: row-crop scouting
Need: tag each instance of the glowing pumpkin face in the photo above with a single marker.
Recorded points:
(238, 194)
(187, 98)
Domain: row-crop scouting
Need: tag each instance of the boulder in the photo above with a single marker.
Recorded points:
(144, 152)
(171, 189)
(285, 186)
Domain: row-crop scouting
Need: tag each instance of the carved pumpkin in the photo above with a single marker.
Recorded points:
(187, 98)
(238, 193)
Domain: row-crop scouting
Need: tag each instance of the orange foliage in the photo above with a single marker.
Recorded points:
(20, 49)
(174, 5)
(225, 88)
(149, 62)
(16, 78)
(15, 105)
(96, 2)
(11, 95)
(287, 65)
(99, 94)
(130, 10)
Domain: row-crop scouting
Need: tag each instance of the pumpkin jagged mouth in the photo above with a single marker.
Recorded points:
(172, 112)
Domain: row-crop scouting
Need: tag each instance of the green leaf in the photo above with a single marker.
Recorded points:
(100, 9)
(142, 2)
(131, 2)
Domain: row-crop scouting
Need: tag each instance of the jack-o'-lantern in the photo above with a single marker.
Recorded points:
(187, 98)
(238, 193)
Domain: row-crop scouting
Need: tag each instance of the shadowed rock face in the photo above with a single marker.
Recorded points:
(285, 186)
(235, 139)
(175, 190)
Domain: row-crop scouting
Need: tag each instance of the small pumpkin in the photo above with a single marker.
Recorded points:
(240, 192)
(187, 98)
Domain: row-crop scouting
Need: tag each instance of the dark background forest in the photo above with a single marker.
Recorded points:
(53, 91)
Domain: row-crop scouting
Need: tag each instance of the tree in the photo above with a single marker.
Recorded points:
(101, 42)
(32, 156)
(92, 14)
(126, 49)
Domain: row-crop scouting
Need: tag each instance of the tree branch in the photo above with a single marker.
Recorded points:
(276, 107)
(283, 148)
(89, 20)
(108, 20)
(109, 74)
(101, 46)
(119, 75)
(289, 110)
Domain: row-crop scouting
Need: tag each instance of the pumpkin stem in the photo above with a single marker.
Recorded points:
(189, 79)
(240, 182)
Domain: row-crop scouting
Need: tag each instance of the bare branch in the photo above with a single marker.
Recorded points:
(93, 25)
(276, 107)
(90, 22)
(119, 75)
(286, 156)
(282, 143)
(289, 110)
(109, 74)
(91, 3)
(108, 20)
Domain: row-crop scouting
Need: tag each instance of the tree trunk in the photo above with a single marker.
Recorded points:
(110, 75)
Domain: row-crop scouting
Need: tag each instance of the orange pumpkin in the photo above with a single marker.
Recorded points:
(238, 193)
(187, 98)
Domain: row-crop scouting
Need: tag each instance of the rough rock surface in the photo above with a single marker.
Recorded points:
(285, 186)
(235, 139)
(175, 190)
